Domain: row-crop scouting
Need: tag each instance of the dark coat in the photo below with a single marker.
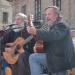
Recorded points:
(58, 46)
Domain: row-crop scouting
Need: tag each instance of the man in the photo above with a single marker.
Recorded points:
(59, 51)
(21, 67)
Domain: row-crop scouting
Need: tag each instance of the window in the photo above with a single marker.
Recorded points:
(5, 17)
(24, 9)
(37, 9)
(57, 3)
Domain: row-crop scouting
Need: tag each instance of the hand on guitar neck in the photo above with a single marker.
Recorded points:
(30, 28)
(30, 19)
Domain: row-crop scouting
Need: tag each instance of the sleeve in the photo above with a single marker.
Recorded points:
(58, 32)
(29, 46)
(5, 40)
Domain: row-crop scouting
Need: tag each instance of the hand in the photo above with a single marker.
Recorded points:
(10, 50)
(34, 48)
(31, 30)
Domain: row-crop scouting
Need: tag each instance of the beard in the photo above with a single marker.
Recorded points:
(50, 22)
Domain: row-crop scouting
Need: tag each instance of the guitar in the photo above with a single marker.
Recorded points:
(8, 71)
(18, 46)
(38, 44)
(71, 72)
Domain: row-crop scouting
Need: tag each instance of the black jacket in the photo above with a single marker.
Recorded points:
(11, 36)
(58, 46)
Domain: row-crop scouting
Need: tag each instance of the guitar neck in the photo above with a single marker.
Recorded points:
(31, 36)
(27, 40)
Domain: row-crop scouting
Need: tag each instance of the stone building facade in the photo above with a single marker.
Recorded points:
(37, 8)
(5, 13)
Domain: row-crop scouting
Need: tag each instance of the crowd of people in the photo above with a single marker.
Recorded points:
(58, 45)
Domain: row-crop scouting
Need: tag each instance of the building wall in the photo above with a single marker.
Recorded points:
(30, 7)
(5, 7)
(68, 12)
(67, 9)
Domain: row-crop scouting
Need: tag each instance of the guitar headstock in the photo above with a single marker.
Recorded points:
(30, 20)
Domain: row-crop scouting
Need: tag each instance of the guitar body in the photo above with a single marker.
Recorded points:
(12, 58)
(39, 46)
(8, 57)
(8, 71)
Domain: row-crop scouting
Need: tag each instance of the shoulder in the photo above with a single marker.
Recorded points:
(62, 24)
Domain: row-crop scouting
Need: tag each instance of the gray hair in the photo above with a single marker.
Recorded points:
(24, 17)
(56, 9)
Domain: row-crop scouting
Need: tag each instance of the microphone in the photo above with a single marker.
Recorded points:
(10, 25)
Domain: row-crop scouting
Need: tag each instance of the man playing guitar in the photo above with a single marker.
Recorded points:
(21, 66)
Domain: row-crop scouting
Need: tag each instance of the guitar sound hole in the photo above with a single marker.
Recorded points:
(18, 47)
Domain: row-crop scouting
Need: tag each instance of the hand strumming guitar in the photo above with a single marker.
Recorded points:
(10, 50)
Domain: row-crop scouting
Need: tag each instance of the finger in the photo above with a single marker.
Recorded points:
(35, 50)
